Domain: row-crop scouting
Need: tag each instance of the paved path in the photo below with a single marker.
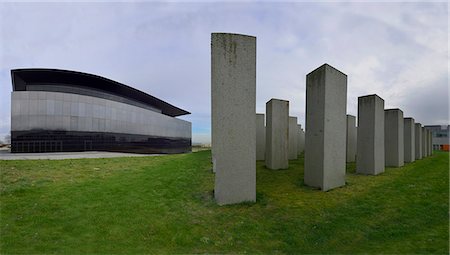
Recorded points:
(6, 155)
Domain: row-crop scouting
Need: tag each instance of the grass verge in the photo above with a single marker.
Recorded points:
(165, 205)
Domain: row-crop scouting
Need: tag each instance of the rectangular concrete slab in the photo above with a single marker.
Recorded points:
(233, 102)
(418, 140)
(393, 138)
(277, 134)
(351, 138)
(301, 140)
(409, 139)
(293, 138)
(260, 137)
(325, 141)
(430, 142)
(424, 143)
(370, 139)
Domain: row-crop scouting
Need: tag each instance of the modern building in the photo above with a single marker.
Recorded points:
(60, 110)
(440, 136)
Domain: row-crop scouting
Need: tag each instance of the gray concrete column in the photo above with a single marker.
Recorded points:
(260, 137)
(233, 102)
(277, 134)
(393, 138)
(430, 138)
(424, 143)
(301, 140)
(418, 140)
(293, 138)
(351, 138)
(325, 141)
(409, 140)
(370, 139)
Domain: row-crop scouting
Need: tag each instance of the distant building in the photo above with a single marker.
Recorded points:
(440, 136)
(60, 110)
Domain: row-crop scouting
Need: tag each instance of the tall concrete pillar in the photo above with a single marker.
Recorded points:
(325, 141)
(393, 138)
(293, 138)
(418, 140)
(370, 139)
(351, 138)
(233, 103)
(409, 139)
(277, 134)
(430, 146)
(301, 140)
(424, 143)
(430, 139)
(260, 137)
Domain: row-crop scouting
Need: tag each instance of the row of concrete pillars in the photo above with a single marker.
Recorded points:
(281, 139)
(383, 137)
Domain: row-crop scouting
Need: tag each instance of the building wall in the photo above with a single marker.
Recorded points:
(56, 111)
(440, 136)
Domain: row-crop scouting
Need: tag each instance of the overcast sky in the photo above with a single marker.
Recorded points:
(396, 50)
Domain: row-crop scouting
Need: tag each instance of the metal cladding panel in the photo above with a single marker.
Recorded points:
(89, 116)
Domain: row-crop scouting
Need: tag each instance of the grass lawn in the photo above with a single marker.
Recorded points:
(165, 205)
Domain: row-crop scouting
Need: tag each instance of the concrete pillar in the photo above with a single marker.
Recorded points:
(233, 103)
(424, 143)
(351, 138)
(409, 139)
(277, 134)
(293, 138)
(393, 138)
(326, 103)
(260, 137)
(301, 140)
(370, 139)
(430, 146)
(430, 138)
(418, 140)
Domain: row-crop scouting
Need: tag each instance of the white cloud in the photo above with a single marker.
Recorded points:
(393, 50)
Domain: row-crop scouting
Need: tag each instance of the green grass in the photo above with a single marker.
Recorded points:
(165, 205)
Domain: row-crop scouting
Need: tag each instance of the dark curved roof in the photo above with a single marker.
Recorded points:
(21, 78)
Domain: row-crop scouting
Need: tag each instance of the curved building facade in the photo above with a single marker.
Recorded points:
(60, 110)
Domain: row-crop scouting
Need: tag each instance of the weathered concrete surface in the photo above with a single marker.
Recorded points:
(418, 140)
(351, 138)
(277, 134)
(233, 102)
(301, 140)
(325, 141)
(370, 139)
(424, 143)
(260, 137)
(430, 142)
(409, 139)
(393, 138)
(293, 138)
